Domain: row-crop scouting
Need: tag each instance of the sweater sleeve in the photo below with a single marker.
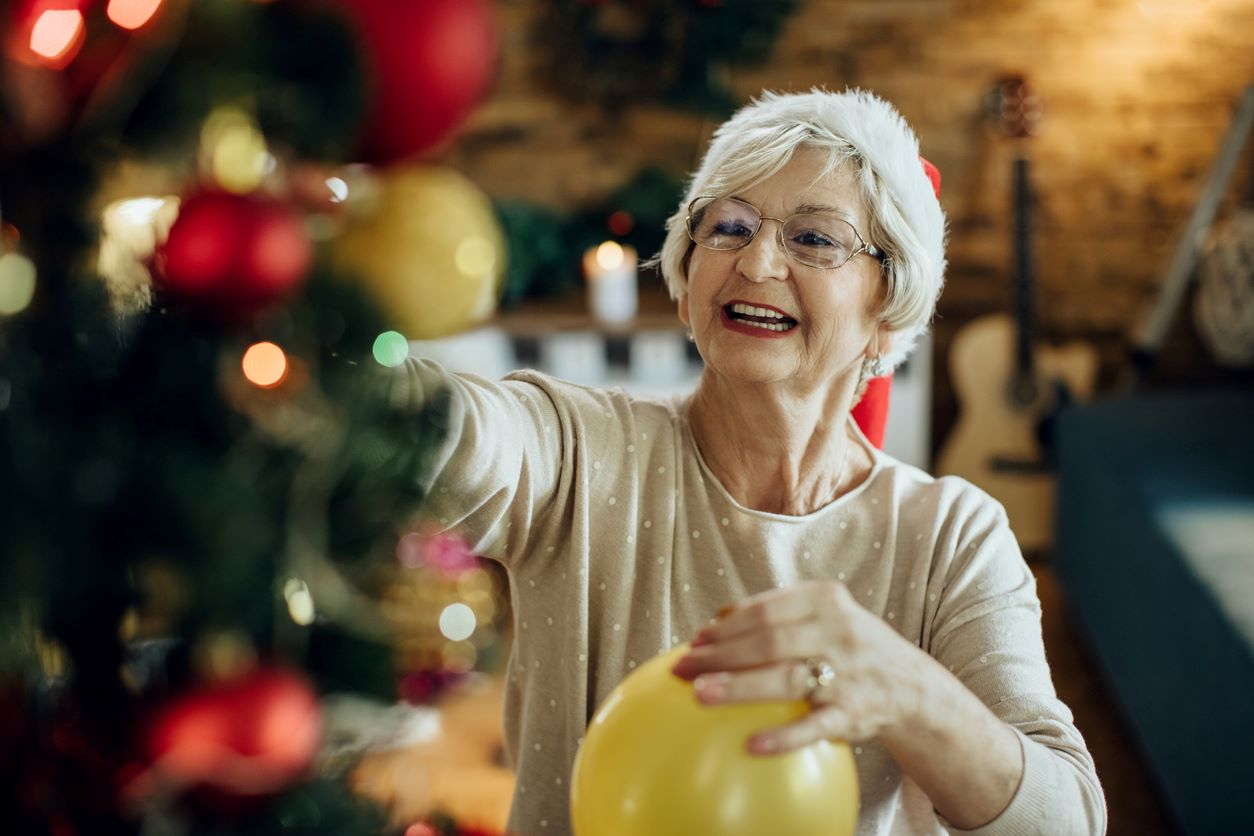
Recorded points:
(987, 631)
(499, 465)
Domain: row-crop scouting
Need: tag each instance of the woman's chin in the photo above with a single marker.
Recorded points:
(749, 370)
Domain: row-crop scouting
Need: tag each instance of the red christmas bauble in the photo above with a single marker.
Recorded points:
(249, 736)
(429, 63)
(236, 254)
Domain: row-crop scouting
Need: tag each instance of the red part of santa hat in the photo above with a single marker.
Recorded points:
(933, 174)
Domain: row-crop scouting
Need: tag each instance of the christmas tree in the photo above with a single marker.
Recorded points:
(215, 244)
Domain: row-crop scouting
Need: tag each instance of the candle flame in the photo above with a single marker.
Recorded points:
(610, 255)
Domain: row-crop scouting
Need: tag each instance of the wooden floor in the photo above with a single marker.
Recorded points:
(1134, 808)
(460, 770)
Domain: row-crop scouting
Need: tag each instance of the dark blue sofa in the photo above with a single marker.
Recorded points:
(1155, 553)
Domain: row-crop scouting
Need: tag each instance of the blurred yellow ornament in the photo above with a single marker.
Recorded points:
(427, 244)
(656, 762)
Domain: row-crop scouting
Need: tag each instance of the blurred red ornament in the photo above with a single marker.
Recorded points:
(250, 736)
(235, 254)
(424, 686)
(621, 222)
(430, 62)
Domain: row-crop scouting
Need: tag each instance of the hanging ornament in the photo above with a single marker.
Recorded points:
(233, 254)
(430, 62)
(428, 246)
(247, 737)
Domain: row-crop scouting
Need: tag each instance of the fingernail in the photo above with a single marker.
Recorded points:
(685, 668)
(701, 639)
(762, 745)
(711, 687)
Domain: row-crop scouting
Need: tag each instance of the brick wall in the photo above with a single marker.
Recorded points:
(1137, 97)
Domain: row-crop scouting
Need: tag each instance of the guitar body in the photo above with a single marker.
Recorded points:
(995, 443)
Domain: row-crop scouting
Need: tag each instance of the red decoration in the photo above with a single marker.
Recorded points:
(234, 254)
(247, 737)
(871, 413)
(933, 174)
(430, 61)
(425, 686)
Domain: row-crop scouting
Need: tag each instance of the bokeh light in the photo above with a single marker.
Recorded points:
(132, 14)
(235, 149)
(457, 622)
(57, 36)
(475, 257)
(17, 283)
(339, 189)
(610, 255)
(391, 348)
(300, 604)
(265, 364)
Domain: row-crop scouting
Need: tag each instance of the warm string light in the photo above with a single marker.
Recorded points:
(58, 30)
(265, 365)
(300, 603)
(57, 36)
(17, 283)
(132, 14)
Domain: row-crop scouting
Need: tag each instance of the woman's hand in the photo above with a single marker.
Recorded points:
(758, 650)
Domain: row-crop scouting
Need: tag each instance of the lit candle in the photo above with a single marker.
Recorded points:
(611, 272)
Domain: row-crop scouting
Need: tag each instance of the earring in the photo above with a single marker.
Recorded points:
(691, 338)
(873, 367)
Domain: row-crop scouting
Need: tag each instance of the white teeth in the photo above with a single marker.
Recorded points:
(750, 310)
(769, 326)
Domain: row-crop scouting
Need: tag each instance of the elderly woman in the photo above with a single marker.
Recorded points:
(753, 516)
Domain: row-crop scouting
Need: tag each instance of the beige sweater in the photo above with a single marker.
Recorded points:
(620, 542)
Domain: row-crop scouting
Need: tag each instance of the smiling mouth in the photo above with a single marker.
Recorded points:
(763, 318)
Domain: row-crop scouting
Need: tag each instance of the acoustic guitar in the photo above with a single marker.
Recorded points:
(1009, 386)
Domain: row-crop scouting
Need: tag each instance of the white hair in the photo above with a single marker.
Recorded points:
(855, 127)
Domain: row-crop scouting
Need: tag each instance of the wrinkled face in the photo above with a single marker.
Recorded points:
(738, 299)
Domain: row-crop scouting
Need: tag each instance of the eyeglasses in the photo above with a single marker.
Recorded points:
(811, 238)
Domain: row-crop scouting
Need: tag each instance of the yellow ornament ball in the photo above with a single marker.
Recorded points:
(656, 762)
(427, 245)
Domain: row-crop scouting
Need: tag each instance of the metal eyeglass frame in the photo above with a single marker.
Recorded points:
(864, 248)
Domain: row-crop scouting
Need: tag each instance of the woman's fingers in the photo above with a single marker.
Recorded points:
(825, 723)
(782, 681)
(797, 639)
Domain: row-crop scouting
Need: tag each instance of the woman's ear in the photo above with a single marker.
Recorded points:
(684, 315)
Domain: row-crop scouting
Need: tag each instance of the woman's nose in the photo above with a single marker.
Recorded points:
(763, 258)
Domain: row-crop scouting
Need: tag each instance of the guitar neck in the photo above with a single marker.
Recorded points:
(1023, 292)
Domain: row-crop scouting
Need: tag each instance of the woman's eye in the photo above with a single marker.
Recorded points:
(813, 239)
(731, 228)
